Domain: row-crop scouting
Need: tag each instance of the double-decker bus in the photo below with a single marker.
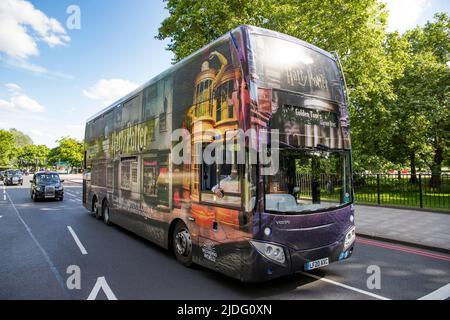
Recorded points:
(276, 202)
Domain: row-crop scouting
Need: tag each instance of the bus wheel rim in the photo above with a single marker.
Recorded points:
(183, 242)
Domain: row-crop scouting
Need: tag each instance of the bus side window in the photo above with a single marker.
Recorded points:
(208, 175)
(226, 176)
(131, 111)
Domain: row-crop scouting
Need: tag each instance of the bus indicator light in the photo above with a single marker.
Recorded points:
(267, 231)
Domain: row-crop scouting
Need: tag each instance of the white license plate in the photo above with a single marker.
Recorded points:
(317, 264)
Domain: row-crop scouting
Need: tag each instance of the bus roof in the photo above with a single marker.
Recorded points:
(249, 29)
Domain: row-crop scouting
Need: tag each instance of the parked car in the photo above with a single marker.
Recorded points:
(1, 175)
(47, 185)
(13, 177)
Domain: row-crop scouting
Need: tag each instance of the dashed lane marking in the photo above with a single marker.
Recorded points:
(77, 241)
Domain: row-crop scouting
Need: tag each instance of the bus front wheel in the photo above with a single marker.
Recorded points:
(182, 244)
(96, 209)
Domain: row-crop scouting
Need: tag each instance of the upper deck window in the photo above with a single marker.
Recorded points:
(131, 112)
(282, 64)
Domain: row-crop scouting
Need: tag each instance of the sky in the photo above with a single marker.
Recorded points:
(56, 70)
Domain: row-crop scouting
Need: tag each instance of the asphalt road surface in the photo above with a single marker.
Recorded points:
(44, 244)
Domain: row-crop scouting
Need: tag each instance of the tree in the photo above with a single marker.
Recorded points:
(6, 147)
(354, 29)
(420, 130)
(20, 138)
(69, 150)
(29, 154)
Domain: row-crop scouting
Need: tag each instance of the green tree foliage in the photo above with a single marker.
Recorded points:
(354, 29)
(28, 154)
(398, 85)
(6, 147)
(421, 112)
(20, 139)
(69, 150)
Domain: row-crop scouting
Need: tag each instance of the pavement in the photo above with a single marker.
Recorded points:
(428, 230)
(44, 244)
(418, 228)
(75, 178)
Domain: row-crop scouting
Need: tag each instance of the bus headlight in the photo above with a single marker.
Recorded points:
(270, 251)
(349, 238)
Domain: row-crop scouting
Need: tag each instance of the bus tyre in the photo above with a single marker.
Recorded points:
(105, 214)
(97, 209)
(182, 244)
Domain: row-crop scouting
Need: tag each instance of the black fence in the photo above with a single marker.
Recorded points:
(422, 190)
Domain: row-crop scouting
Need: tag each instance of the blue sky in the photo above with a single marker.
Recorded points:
(53, 78)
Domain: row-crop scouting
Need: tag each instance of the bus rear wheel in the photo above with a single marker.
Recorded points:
(106, 219)
(182, 244)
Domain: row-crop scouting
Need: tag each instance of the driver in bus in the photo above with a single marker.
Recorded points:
(229, 184)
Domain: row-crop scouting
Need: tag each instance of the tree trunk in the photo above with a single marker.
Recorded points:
(436, 168)
(412, 159)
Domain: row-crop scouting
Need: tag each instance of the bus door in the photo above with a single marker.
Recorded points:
(218, 214)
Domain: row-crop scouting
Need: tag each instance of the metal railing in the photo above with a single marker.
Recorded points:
(423, 190)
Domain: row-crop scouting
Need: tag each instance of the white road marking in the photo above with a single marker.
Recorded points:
(101, 284)
(77, 241)
(344, 286)
(55, 271)
(440, 294)
(73, 195)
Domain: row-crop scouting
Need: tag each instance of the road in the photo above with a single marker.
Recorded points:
(40, 241)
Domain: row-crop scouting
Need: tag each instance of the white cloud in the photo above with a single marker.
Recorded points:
(109, 90)
(6, 105)
(22, 27)
(37, 133)
(405, 14)
(19, 101)
(13, 88)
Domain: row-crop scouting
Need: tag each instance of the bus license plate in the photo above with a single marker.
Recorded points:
(316, 264)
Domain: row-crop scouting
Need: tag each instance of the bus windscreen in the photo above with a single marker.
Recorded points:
(282, 64)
